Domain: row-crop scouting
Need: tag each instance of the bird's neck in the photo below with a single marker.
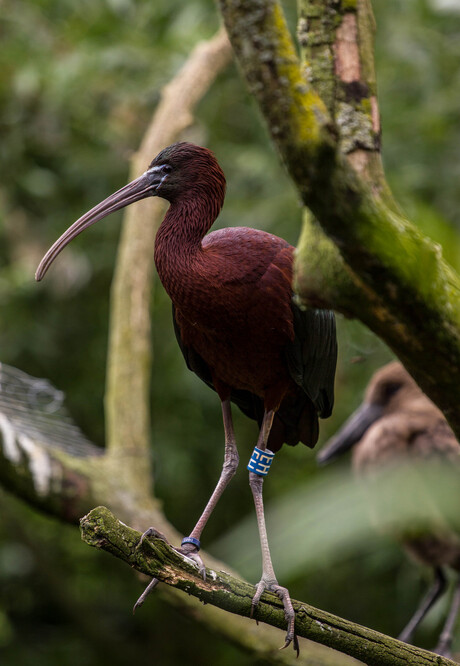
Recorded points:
(178, 248)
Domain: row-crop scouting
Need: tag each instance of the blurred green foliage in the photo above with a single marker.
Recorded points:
(78, 85)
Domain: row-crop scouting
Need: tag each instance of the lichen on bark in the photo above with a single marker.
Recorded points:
(415, 295)
(155, 557)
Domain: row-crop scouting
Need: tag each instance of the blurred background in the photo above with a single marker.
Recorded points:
(78, 85)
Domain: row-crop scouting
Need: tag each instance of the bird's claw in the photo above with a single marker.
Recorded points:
(151, 532)
(283, 594)
(261, 587)
(150, 587)
(191, 552)
(295, 643)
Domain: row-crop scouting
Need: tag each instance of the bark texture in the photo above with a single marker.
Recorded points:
(155, 557)
(385, 271)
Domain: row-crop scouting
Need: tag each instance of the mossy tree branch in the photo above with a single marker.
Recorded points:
(156, 558)
(380, 268)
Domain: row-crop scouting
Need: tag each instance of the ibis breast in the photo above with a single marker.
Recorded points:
(238, 313)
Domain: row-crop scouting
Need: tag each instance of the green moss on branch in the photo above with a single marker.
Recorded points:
(156, 558)
(415, 295)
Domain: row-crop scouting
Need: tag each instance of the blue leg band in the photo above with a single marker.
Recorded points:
(195, 542)
(260, 461)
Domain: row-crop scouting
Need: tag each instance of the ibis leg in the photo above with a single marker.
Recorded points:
(444, 645)
(231, 459)
(433, 594)
(268, 580)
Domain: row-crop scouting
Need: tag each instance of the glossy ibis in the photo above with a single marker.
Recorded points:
(236, 323)
(397, 423)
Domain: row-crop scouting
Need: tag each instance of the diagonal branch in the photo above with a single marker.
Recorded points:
(156, 558)
(129, 356)
(387, 273)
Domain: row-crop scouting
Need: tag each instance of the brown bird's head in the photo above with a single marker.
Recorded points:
(180, 171)
(390, 390)
(187, 170)
(390, 387)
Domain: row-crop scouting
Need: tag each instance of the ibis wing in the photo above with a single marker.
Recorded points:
(194, 361)
(249, 403)
(312, 355)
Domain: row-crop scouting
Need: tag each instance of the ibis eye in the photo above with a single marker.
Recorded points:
(391, 388)
(167, 168)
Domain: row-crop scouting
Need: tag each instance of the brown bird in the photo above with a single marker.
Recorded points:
(397, 422)
(236, 323)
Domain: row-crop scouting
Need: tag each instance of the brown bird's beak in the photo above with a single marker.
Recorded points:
(140, 188)
(351, 432)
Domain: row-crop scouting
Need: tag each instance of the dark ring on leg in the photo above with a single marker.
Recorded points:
(192, 540)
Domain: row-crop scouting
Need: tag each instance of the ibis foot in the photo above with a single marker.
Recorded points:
(289, 613)
(189, 548)
(190, 551)
(151, 531)
(150, 587)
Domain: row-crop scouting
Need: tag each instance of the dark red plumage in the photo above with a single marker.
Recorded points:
(232, 291)
(236, 323)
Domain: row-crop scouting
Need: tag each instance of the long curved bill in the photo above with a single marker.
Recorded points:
(140, 188)
(350, 433)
